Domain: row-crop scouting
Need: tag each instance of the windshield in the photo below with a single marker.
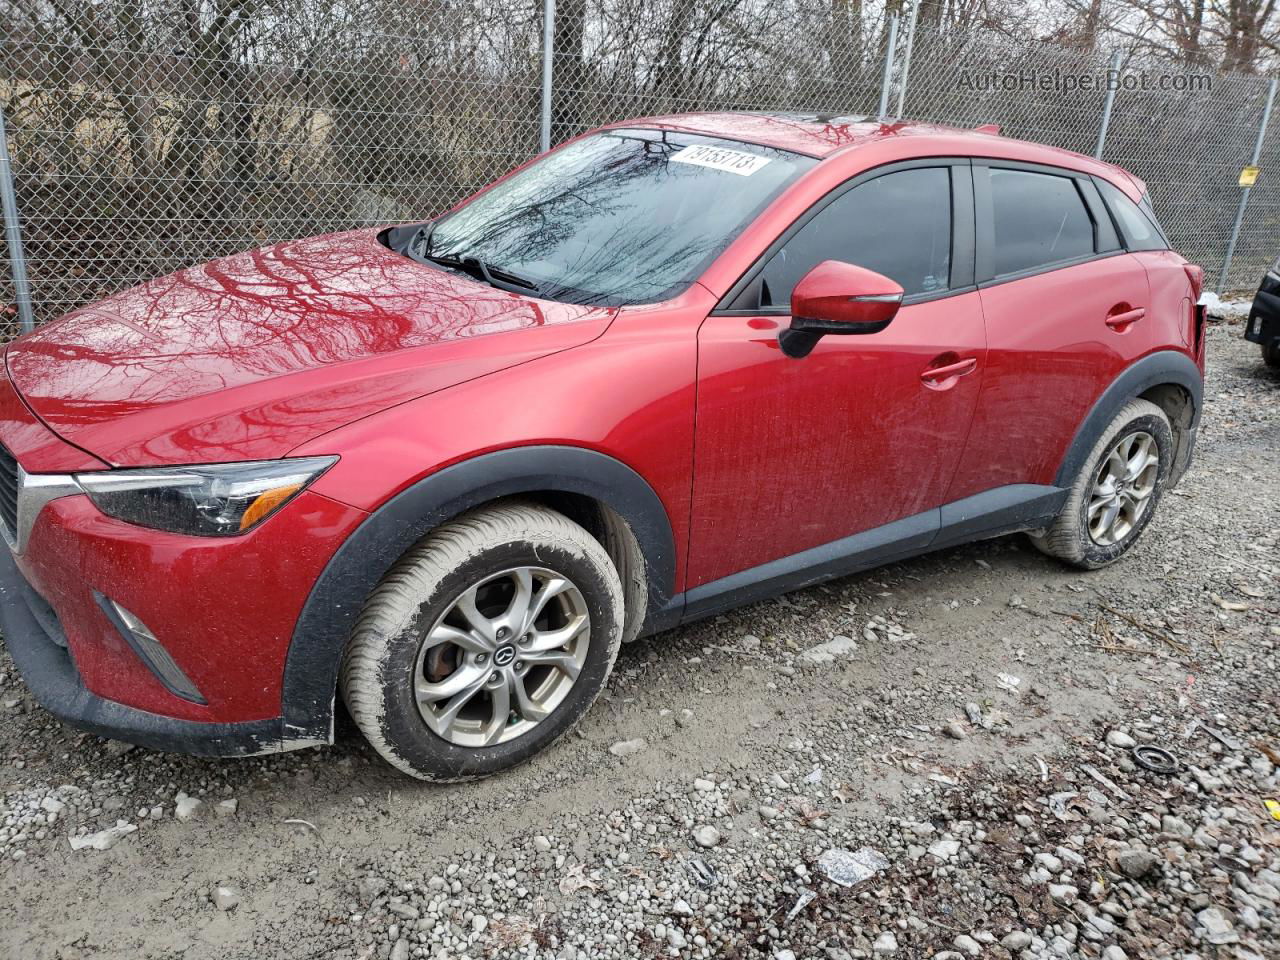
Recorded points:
(621, 217)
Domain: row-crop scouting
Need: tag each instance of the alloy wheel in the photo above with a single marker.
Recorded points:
(1122, 488)
(502, 657)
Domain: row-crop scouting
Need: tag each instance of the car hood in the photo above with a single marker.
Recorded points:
(249, 356)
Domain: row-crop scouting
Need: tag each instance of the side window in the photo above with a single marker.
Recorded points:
(1150, 211)
(1038, 219)
(898, 225)
(1139, 229)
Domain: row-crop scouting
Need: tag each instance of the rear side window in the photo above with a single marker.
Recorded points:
(1039, 219)
(898, 225)
(1138, 227)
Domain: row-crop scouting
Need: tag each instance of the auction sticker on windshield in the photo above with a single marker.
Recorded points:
(720, 158)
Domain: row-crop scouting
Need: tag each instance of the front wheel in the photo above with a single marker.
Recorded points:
(484, 643)
(1117, 491)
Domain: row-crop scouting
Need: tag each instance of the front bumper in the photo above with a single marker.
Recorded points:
(32, 638)
(225, 610)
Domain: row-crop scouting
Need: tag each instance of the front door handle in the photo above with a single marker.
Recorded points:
(1121, 321)
(945, 377)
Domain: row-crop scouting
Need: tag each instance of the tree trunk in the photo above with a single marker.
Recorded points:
(669, 83)
(570, 75)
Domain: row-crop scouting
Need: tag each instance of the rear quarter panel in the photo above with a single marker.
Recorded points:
(1172, 311)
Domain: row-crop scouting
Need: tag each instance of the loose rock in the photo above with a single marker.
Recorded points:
(706, 836)
(226, 897)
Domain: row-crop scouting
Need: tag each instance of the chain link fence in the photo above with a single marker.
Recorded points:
(149, 135)
(1186, 133)
(144, 140)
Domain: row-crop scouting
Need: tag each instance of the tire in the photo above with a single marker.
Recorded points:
(462, 582)
(1071, 538)
(1271, 354)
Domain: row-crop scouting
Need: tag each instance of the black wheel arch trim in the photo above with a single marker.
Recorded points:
(336, 598)
(1153, 370)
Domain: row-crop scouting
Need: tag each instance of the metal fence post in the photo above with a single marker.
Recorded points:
(548, 69)
(13, 234)
(906, 60)
(1113, 77)
(889, 50)
(1244, 194)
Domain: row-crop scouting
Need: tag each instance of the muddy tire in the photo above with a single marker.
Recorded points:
(1117, 492)
(486, 642)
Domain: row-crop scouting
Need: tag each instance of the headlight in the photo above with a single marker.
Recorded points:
(214, 501)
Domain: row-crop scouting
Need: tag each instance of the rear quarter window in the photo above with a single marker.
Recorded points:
(1138, 227)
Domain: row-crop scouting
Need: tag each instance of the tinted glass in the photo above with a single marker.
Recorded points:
(1150, 211)
(1039, 219)
(1140, 233)
(626, 216)
(898, 225)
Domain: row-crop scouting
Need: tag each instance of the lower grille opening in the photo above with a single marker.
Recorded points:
(8, 490)
(43, 613)
(46, 616)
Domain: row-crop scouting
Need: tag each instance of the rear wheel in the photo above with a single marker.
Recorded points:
(1271, 354)
(486, 642)
(1117, 491)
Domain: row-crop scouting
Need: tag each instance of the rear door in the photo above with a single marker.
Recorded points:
(1066, 310)
(791, 454)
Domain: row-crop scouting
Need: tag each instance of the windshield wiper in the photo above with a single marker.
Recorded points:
(498, 277)
(420, 246)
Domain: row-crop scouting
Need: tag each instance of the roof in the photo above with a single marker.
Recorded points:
(813, 134)
(821, 135)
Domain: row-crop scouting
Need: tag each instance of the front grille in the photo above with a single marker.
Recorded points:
(8, 491)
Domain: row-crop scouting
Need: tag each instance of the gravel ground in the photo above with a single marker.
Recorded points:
(954, 733)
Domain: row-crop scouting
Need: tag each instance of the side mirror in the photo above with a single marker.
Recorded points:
(838, 298)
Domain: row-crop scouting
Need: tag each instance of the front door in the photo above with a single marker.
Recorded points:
(793, 454)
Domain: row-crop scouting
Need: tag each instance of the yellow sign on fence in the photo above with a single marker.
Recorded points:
(1249, 176)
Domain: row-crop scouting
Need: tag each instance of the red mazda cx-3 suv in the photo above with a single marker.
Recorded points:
(444, 470)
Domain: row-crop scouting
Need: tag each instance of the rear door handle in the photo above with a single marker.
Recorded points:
(1118, 321)
(940, 378)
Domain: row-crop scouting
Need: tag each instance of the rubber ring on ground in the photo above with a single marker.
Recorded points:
(1155, 759)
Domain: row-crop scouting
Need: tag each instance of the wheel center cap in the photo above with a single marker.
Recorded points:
(504, 655)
